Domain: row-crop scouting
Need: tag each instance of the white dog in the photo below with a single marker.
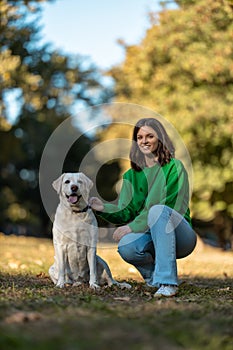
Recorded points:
(75, 235)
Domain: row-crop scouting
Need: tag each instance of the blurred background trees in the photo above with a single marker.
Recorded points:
(182, 69)
(38, 87)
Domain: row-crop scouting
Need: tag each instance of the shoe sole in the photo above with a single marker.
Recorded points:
(160, 295)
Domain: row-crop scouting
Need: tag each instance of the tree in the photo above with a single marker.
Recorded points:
(183, 70)
(47, 85)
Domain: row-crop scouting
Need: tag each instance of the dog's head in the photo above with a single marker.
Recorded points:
(72, 187)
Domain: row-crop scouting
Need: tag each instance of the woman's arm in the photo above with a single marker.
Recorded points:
(116, 214)
(96, 204)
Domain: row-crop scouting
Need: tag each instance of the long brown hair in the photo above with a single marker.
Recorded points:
(164, 152)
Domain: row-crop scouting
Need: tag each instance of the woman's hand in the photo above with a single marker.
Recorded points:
(120, 232)
(96, 204)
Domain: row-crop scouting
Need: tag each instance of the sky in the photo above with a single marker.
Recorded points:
(92, 27)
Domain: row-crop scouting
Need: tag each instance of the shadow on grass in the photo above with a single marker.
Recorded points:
(35, 314)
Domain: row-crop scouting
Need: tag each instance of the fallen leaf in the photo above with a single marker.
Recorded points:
(22, 317)
(223, 289)
(122, 298)
(41, 275)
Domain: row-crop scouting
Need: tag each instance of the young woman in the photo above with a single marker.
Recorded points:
(153, 209)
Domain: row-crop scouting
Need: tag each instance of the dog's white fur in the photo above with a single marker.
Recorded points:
(75, 235)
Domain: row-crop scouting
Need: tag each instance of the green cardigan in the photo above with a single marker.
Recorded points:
(141, 190)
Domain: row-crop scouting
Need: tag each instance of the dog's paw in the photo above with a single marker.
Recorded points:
(122, 285)
(60, 284)
(94, 285)
(125, 285)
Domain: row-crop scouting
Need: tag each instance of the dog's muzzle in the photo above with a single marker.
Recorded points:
(73, 198)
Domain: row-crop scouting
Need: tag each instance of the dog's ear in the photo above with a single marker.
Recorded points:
(57, 183)
(88, 181)
(88, 184)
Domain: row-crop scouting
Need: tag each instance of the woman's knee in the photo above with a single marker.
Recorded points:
(184, 248)
(133, 245)
(155, 213)
(127, 252)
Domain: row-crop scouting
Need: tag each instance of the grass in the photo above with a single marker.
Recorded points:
(35, 314)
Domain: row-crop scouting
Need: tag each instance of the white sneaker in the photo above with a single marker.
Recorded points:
(166, 291)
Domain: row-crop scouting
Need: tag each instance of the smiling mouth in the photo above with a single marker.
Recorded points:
(73, 198)
(145, 147)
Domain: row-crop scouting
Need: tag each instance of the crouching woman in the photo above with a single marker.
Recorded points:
(152, 215)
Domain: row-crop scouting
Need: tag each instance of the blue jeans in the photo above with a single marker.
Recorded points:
(154, 252)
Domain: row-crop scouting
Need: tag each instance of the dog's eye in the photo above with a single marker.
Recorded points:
(79, 182)
(67, 181)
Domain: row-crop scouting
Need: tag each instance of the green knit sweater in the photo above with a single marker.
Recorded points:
(141, 190)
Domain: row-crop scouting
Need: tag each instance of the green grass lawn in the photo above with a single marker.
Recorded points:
(36, 315)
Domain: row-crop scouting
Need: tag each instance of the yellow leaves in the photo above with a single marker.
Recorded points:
(8, 194)
(220, 206)
(4, 124)
(35, 101)
(160, 76)
(6, 10)
(206, 64)
(226, 158)
(16, 212)
(57, 59)
(8, 64)
(203, 210)
(209, 179)
(71, 76)
(33, 81)
(230, 209)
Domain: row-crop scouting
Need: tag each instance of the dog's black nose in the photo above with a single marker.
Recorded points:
(74, 188)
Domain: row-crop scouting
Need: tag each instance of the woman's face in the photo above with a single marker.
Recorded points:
(147, 140)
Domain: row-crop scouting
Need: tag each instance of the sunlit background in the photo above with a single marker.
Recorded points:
(60, 58)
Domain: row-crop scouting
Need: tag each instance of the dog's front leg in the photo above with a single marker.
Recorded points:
(60, 254)
(91, 257)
